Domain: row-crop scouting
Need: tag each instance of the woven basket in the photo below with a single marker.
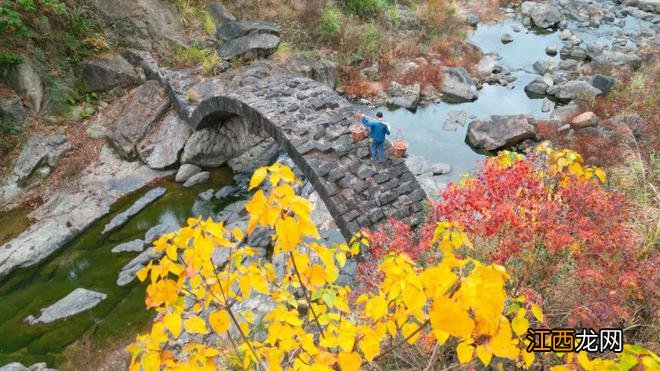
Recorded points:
(399, 149)
(358, 132)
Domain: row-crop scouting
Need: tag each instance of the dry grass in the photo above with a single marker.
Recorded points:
(356, 43)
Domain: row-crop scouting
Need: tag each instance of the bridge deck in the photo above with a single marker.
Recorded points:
(311, 122)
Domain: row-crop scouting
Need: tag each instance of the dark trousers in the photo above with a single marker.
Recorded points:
(378, 151)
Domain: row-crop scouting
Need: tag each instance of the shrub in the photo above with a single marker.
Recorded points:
(457, 303)
(312, 323)
(9, 59)
(364, 40)
(551, 209)
(330, 23)
(366, 8)
(13, 14)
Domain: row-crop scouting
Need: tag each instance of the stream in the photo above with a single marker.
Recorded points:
(87, 262)
(423, 129)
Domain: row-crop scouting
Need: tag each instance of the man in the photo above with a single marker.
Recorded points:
(377, 132)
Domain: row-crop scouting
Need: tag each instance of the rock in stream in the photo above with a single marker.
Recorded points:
(79, 300)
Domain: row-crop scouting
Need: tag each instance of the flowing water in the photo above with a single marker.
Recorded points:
(423, 130)
(87, 262)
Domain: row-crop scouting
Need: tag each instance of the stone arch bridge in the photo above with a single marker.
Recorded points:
(311, 122)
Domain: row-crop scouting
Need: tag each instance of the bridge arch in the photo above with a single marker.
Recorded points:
(310, 122)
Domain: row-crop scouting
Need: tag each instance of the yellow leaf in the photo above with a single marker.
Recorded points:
(528, 358)
(370, 347)
(502, 344)
(171, 252)
(173, 323)
(537, 312)
(584, 361)
(317, 276)
(559, 368)
(195, 325)
(562, 162)
(448, 316)
(407, 329)
(520, 323)
(219, 321)
(258, 177)
(465, 352)
(376, 308)
(349, 361)
(341, 259)
(142, 273)
(238, 234)
(457, 239)
(151, 361)
(440, 336)
(601, 175)
(484, 355)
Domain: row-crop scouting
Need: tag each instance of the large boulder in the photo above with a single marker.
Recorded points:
(576, 89)
(185, 172)
(258, 155)
(143, 107)
(79, 300)
(543, 15)
(250, 46)
(163, 144)
(39, 151)
(609, 58)
(11, 108)
(487, 65)
(143, 24)
(26, 82)
(37, 158)
(457, 85)
(215, 145)
(321, 70)
(603, 83)
(536, 88)
(235, 29)
(107, 71)
(564, 113)
(220, 14)
(584, 120)
(499, 132)
(407, 97)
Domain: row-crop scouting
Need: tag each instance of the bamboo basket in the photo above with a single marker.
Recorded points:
(399, 148)
(358, 132)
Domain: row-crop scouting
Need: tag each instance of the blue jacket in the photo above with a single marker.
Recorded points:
(378, 130)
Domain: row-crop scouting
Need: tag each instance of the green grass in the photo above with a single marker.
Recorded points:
(366, 8)
(330, 24)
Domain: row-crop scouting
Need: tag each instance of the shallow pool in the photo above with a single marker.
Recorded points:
(423, 130)
(87, 262)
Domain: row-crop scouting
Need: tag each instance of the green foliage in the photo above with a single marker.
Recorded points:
(13, 14)
(366, 8)
(10, 128)
(330, 23)
(9, 59)
(367, 40)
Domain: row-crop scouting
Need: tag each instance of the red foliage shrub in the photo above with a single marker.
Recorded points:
(563, 238)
